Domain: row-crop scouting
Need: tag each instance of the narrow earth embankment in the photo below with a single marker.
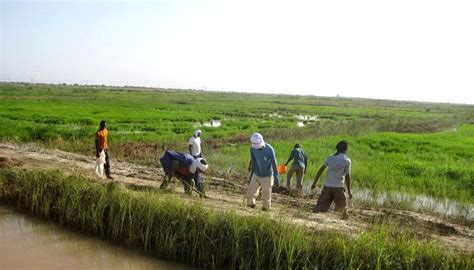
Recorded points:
(226, 195)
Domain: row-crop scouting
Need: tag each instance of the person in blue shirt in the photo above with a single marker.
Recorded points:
(263, 166)
(300, 163)
(184, 167)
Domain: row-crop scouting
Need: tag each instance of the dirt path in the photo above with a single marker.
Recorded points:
(224, 195)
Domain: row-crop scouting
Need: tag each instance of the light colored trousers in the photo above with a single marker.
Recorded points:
(266, 183)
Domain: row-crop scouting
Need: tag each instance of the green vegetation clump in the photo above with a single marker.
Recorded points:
(157, 223)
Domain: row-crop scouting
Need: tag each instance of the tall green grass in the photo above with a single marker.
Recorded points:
(395, 146)
(49, 112)
(435, 164)
(160, 224)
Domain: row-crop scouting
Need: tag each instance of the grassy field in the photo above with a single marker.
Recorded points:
(160, 224)
(408, 148)
(416, 148)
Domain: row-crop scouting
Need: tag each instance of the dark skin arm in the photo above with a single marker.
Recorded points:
(289, 159)
(348, 184)
(190, 146)
(97, 147)
(316, 178)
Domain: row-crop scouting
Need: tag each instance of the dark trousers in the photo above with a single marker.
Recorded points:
(330, 194)
(107, 163)
(187, 180)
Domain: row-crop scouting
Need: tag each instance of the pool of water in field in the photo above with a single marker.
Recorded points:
(300, 124)
(212, 123)
(30, 243)
(419, 202)
(307, 117)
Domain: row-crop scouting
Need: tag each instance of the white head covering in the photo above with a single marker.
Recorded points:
(197, 132)
(257, 141)
(198, 165)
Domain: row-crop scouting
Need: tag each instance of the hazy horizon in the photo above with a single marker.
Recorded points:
(404, 50)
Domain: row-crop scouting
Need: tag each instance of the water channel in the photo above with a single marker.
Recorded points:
(27, 242)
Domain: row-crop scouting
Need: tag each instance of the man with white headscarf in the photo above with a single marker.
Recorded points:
(184, 167)
(194, 144)
(263, 167)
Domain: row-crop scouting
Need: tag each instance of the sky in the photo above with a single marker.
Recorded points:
(401, 50)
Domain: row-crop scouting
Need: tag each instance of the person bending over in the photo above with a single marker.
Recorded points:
(184, 167)
(339, 172)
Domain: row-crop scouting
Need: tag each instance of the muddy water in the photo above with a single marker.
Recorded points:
(30, 243)
(419, 202)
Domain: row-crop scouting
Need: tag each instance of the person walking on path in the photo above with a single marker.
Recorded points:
(300, 163)
(101, 144)
(339, 173)
(194, 144)
(184, 167)
(263, 166)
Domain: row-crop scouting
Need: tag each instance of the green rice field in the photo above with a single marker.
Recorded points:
(405, 155)
(410, 147)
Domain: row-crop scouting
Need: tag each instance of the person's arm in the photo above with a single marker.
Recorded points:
(276, 177)
(290, 158)
(98, 148)
(348, 184)
(305, 161)
(321, 170)
(251, 165)
(190, 147)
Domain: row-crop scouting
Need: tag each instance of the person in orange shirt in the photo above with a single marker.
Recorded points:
(101, 144)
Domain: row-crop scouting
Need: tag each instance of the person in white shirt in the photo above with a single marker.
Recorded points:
(339, 173)
(194, 144)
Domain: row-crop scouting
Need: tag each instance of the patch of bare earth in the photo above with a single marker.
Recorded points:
(227, 195)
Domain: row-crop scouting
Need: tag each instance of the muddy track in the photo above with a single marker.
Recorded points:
(226, 195)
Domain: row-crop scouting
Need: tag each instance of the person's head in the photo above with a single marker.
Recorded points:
(341, 147)
(200, 165)
(102, 125)
(257, 141)
(197, 133)
(297, 145)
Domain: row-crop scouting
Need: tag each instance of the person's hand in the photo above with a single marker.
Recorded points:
(350, 194)
(97, 153)
(276, 183)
